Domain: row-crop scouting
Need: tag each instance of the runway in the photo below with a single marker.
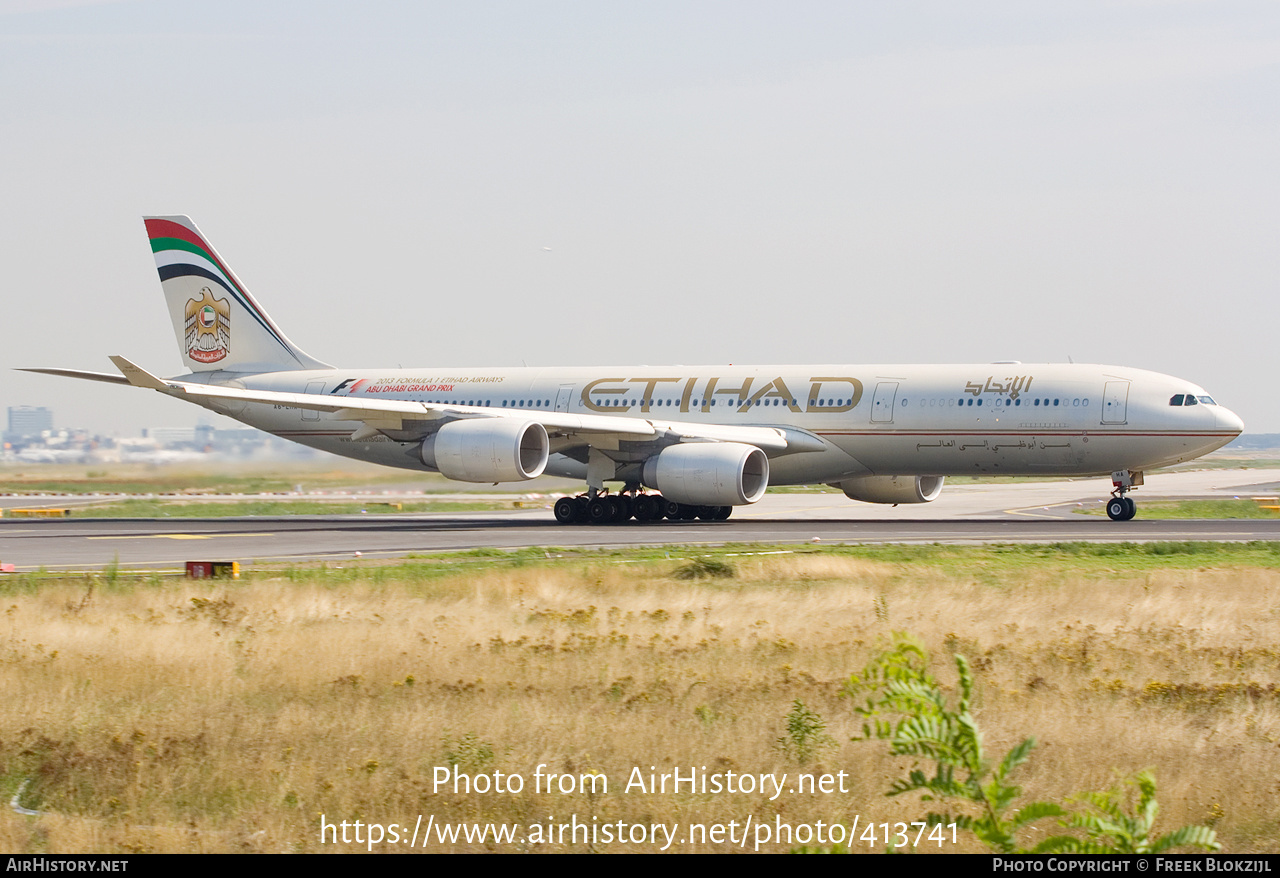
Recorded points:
(973, 513)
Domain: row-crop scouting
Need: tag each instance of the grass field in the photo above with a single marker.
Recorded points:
(148, 714)
(137, 508)
(333, 474)
(216, 477)
(1193, 509)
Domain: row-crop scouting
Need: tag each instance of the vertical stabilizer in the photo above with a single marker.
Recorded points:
(218, 324)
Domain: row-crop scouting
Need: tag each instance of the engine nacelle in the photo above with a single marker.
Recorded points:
(488, 450)
(893, 489)
(709, 473)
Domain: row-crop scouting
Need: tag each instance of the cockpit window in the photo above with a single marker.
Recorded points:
(1190, 399)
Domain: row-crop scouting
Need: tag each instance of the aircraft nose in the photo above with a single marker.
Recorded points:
(1228, 420)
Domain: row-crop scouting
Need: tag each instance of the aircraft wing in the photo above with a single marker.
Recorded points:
(399, 415)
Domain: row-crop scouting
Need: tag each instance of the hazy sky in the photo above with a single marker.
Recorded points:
(745, 182)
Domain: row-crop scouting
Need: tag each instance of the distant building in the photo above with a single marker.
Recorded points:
(167, 437)
(28, 420)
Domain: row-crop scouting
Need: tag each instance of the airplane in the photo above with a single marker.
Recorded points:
(677, 442)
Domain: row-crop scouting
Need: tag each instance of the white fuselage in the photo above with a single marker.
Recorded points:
(939, 420)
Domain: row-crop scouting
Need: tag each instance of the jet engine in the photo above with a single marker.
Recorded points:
(488, 450)
(893, 489)
(709, 474)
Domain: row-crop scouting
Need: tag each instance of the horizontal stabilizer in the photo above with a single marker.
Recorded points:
(77, 373)
(138, 376)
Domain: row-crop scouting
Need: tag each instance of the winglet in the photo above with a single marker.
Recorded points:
(138, 376)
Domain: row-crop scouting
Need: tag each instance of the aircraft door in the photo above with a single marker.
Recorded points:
(563, 397)
(1115, 402)
(883, 403)
(313, 387)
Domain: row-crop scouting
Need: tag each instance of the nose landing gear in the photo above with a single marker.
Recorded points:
(1120, 507)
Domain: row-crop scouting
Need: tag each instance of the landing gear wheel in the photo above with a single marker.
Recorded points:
(600, 510)
(646, 508)
(1120, 509)
(566, 510)
(723, 513)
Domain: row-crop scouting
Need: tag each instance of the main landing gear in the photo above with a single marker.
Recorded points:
(614, 508)
(1120, 507)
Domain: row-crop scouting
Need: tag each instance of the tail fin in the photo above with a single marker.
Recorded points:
(218, 324)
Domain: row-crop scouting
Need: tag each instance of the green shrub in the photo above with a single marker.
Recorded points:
(907, 707)
(705, 568)
(806, 735)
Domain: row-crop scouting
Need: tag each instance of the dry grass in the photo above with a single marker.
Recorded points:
(182, 716)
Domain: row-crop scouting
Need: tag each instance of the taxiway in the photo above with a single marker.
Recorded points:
(966, 513)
